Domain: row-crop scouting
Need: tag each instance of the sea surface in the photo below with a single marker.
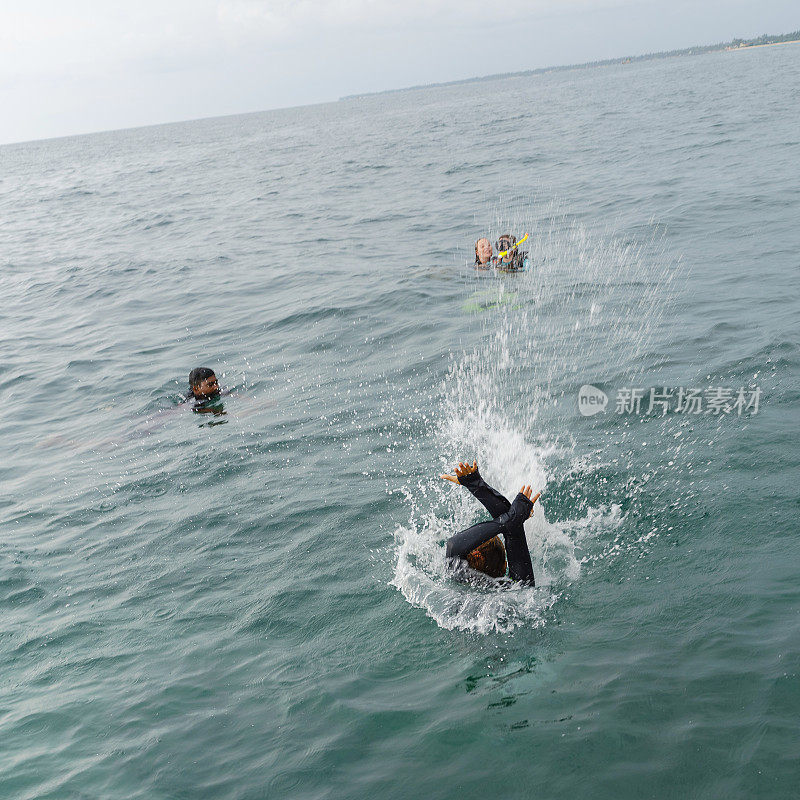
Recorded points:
(255, 603)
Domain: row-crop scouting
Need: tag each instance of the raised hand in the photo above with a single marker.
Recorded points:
(461, 470)
(527, 491)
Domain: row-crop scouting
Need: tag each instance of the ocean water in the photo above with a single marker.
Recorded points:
(255, 604)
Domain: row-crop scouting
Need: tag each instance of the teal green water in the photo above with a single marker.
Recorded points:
(255, 604)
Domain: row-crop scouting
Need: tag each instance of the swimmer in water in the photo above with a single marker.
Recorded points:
(513, 258)
(483, 253)
(480, 545)
(204, 392)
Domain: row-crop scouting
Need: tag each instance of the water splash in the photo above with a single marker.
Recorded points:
(589, 306)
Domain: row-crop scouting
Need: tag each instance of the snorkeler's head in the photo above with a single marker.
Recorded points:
(489, 558)
(483, 251)
(507, 242)
(203, 383)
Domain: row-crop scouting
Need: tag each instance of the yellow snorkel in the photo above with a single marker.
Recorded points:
(506, 252)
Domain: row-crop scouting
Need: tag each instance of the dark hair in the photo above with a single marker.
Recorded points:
(199, 374)
(489, 558)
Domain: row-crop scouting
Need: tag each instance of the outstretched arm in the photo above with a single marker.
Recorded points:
(520, 567)
(468, 475)
(464, 542)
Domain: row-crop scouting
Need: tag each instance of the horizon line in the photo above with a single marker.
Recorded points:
(698, 49)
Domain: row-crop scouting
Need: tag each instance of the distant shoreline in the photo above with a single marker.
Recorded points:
(721, 47)
(766, 44)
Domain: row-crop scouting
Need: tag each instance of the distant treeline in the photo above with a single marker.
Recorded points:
(734, 44)
(765, 39)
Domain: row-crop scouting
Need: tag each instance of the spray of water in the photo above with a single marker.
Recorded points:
(589, 306)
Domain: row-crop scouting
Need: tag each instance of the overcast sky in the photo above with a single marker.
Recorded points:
(75, 66)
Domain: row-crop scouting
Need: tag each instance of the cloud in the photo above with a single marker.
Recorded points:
(39, 37)
(277, 19)
(51, 38)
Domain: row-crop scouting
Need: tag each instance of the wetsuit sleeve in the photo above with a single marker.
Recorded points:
(467, 540)
(491, 499)
(518, 556)
(510, 526)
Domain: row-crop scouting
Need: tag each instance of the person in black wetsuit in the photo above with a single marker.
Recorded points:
(479, 544)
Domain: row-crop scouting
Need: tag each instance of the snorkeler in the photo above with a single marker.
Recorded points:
(480, 545)
(513, 259)
(483, 253)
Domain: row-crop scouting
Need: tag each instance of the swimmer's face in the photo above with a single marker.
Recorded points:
(510, 248)
(208, 387)
(483, 249)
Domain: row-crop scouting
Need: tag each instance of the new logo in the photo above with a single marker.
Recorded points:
(591, 400)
